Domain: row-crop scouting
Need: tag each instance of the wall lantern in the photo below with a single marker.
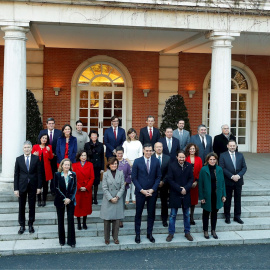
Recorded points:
(191, 93)
(145, 92)
(56, 90)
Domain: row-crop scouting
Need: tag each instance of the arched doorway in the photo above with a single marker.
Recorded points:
(101, 88)
(244, 106)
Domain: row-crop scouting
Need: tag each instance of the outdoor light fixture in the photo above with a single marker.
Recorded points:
(191, 93)
(145, 92)
(56, 90)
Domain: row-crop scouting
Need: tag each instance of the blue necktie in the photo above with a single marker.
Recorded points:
(233, 160)
(169, 145)
(147, 166)
(159, 158)
(27, 163)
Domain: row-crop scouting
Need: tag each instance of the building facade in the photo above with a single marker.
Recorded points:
(90, 60)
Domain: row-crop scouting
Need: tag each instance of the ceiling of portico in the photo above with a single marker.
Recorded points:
(137, 39)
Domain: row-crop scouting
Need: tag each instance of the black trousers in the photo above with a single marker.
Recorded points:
(151, 211)
(61, 224)
(213, 214)
(237, 201)
(164, 195)
(31, 192)
(54, 169)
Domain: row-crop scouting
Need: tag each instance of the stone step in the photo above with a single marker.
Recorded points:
(12, 207)
(50, 218)
(97, 229)
(86, 244)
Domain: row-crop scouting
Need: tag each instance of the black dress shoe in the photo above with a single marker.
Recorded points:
(95, 202)
(192, 222)
(79, 226)
(239, 220)
(43, 204)
(62, 244)
(31, 229)
(165, 223)
(137, 239)
(227, 220)
(21, 230)
(39, 203)
(151, 238)
(73, 246)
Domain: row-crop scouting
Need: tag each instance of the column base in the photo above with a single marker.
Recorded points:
(6, 184)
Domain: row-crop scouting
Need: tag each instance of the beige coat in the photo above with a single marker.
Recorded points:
(112, 187)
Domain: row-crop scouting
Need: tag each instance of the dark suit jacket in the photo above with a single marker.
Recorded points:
(144, 136)
(202, 152)
(178, 177)
(95, 154)
(175, 147)
(21, 174)
(56, 135)
(220, 143)
(61, 192)
(225, 162)
(61, 147)
(140, 177)
(110, 142)
(164, 167)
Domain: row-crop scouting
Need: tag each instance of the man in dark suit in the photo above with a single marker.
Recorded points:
(234, 167)
(146, 177)
(113, 137)
(163, 188)
(27, 181)
(221, 140)
(53, 134)
(171, 145)
(203, 141)
(181, 134)
(149, 134)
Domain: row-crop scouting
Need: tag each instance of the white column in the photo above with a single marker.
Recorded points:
(14, 98)
(220, 94)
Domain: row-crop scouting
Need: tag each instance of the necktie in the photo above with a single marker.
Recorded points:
(115, 133)
(159, 158)
(27, 163)
(233, 160)
(51, 138)
(150, 133)
(169, 145)
(148, 166)
(181, 134)
(203, 142)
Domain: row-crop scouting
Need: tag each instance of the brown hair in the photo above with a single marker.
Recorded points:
(189, 146)
(111, 161)
(212, 154)
(60, 168)
(79, 155)
(129, 132)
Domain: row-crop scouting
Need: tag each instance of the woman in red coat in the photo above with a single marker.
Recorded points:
(44, 151)
(85, 178)
(192, 156)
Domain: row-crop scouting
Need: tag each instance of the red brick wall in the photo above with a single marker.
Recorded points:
(1, 91)
(193, 69)
(60, 65)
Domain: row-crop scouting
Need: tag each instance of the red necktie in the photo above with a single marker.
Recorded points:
(115, 133)
(150, 134)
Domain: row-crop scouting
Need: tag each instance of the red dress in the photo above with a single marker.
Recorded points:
(47, 155)
(85, 178)
(194, 192)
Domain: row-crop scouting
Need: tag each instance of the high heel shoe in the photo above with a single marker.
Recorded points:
(214, 234)
(206, 235)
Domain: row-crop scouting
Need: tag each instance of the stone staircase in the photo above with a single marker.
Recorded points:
(255, 214)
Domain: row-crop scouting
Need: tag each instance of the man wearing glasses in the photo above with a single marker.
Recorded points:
(113, 137)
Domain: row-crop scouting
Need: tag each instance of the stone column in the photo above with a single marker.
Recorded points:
(14, 98)
(220, 94)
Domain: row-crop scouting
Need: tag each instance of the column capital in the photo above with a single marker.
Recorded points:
(13, 32)
(222, 39)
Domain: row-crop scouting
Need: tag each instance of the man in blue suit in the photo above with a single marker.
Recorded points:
(182, 135)
(234, 167)
(113, 137)
(146, 175)
(170, 144)
(53, 134)
(203, 141)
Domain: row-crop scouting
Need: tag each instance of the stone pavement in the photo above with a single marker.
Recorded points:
(255, 230)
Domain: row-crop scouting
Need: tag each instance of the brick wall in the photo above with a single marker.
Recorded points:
(193, 69)
(60, 65)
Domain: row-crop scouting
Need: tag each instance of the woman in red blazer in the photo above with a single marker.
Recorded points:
(85, 178)
(192, 156)
(44, 151)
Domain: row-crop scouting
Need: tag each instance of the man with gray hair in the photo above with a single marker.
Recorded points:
(27, 181)
(221, 140)
(203, 141)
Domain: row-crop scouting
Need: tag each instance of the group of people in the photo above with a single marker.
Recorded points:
(182, 170)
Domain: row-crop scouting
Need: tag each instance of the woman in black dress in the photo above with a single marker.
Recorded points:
(95, 153)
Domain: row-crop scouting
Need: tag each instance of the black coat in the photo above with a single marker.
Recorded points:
(144, 136)
(178, 177)
(95, 154)
(174, 149)
(164, 167)
(21, 174)
(61, 192)
(220, 143)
